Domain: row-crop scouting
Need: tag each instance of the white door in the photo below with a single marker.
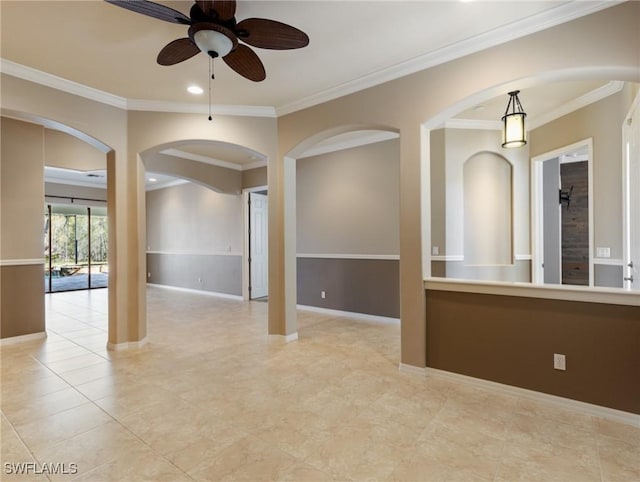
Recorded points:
(258, 247)
(632, 200)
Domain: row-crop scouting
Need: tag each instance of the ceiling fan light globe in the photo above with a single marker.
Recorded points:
(212, 41)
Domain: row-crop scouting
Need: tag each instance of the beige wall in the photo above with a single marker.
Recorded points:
(601, 121)
(22, 169)
(604, 44)
(21, 228)
(65, 151)
(348, 201)
(254, 177)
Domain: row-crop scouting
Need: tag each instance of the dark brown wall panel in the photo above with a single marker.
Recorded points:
(512, 340)
(22, 295)
(370, 286)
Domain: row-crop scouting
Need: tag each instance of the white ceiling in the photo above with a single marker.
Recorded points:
(98, 49)
(353, 44)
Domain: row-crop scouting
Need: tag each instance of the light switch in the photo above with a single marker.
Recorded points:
(435, 250)
(603, 252)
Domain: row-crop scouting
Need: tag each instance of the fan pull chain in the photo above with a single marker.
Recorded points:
(210, 79)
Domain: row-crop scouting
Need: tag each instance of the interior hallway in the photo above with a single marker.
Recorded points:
(211, 398)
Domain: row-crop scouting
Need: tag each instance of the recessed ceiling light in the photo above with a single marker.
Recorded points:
(152, 179)
(194, 89)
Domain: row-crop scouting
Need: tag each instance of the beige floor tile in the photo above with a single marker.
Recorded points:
(228, 404)
(619, 460)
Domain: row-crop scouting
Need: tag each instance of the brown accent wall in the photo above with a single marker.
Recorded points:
(512, 340)
(369, 286)
(22, 294)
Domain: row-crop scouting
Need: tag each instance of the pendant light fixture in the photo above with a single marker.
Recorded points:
(513, 129)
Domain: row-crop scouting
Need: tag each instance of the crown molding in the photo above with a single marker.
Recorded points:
(156, 186)
(535, 23)
(188, 108)
(48, 80)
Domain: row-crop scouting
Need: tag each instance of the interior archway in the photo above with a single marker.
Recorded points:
(342, 137)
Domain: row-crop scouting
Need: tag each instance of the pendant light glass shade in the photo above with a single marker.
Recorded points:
(513, 128)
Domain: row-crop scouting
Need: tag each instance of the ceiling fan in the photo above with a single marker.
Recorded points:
(213, 30)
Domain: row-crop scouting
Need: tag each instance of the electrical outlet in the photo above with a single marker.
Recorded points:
(148, 275)
(559, 362)
(323, 294)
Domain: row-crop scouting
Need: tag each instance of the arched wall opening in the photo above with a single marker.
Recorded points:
(28, 141)
(330, 243)
(197, 226)
(603, 73)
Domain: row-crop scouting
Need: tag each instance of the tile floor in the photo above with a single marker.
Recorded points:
(211, 398)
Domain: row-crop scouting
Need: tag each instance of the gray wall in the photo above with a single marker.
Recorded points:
(450, 151)
(194, 239)
(348, 213)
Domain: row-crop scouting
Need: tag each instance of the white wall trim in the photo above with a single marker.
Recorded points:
(547, 19)
(567, 403)
(350, 314)
(583, 294)
(330, 145)
(13, 340)
(43, 78)
(448, 257)
(197, 292)
(347, 256)
(460, 257)
(412, 370)
(21, 262)
(608, 261)
(600, 93)
(189, 108)
(127, 345)
(196, 253)
(283, 338)
(48, 80)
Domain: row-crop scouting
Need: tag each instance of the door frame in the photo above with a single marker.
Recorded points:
(537, 227)
(626, 196)
(246, 279)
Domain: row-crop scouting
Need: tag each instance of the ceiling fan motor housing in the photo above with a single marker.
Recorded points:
(213, 39)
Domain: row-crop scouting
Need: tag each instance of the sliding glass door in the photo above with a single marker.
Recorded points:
(75, 248)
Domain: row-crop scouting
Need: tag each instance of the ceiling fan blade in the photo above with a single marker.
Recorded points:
(152, 9)
(245, 62)
(226, 9)
(177, 51)
(269, 34)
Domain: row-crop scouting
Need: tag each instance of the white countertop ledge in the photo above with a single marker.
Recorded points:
(583, 294)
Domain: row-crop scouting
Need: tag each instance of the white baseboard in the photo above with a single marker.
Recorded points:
(575, 405)
(349, 314)
(198, 292)
(412, 370)
(284, 338)
(12, 340)
(127, 345)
